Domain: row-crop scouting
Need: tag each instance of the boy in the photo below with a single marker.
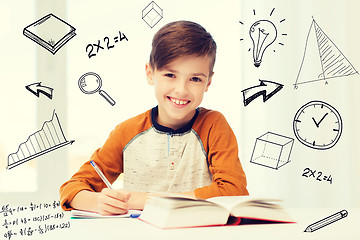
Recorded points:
(174, 147)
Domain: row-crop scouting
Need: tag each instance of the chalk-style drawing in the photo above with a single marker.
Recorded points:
(322, 59)
(93, 49)
(34, 219)
(37, 88)
(50, 32)
(318, 125)
(152, 14)
(266, 88)
(317, 175)
(326, 221)
(91, 83)
(263, 34)
(50, 137)
(272, 150)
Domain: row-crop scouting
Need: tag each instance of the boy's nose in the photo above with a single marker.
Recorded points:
(181, 87)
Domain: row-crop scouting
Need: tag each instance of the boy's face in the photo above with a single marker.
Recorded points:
(179, 88)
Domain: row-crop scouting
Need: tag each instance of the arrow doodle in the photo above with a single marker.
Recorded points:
(266, 88)
(36, 89)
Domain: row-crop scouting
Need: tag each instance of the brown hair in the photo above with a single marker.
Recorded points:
(181, 38)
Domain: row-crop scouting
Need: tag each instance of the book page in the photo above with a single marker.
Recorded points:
(231, 202)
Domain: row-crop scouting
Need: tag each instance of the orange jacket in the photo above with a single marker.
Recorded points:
(202, 156)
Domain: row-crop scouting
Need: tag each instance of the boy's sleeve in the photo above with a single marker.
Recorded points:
(110, 161)
(228, 176)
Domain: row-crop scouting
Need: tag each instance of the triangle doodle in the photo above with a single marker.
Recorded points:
(322, 59)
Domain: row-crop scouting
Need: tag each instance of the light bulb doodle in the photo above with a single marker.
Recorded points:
(262, 33)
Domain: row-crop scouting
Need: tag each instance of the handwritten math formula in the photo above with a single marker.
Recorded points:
(31, 220)
(93, 49)
(317, 175)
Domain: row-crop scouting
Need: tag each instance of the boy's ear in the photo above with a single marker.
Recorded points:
(209, 82)
(149, 73)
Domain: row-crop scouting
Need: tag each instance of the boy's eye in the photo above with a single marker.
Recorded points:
(196, 79)
(169, 75)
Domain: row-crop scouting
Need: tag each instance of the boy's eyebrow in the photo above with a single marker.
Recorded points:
(194, 74)
(200, 74)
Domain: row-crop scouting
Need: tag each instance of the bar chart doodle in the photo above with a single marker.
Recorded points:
(322, 59)
(50, 137)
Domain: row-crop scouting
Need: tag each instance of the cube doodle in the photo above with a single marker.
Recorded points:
(152, 14)
(272, 150)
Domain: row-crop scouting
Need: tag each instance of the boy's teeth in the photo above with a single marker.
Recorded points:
(177, 101)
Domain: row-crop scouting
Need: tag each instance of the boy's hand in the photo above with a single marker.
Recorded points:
(111, 201)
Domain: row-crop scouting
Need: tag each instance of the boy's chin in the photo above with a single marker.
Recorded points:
(181, 115)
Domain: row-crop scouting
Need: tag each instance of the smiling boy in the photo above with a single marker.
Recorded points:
(175, 147)
(179, 88)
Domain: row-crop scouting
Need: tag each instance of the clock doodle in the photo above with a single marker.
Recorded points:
(318, 125)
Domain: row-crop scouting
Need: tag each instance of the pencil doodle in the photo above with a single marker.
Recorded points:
(318, 125)
(37, 88)
(91, 83)
(266, 88)
(263, 34)
(95, 47)
(319, 176)
(50, 137)
(50, 32)
(322, 59)
(152, 14)
(326, 221)
(272, 150)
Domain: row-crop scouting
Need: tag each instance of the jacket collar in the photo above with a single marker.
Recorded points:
(161, 128)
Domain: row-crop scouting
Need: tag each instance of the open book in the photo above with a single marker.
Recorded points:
(181, 211)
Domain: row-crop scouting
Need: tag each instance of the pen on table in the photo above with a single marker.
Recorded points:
(326, 221)
(108, 184)
(135, 215)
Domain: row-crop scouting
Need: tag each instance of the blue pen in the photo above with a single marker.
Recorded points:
(135, 215)
(108, 184)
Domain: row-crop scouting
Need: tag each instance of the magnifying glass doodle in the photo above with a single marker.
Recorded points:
(90, 83)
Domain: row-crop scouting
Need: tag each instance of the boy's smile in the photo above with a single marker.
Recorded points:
(179, 102)
(179, 88)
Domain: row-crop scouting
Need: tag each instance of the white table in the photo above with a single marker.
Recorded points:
(346, 228)
(128, 228)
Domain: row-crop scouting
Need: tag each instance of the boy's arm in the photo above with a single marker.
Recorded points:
(109, 160)
(228, 176)
(110, 201)
(106, 202)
